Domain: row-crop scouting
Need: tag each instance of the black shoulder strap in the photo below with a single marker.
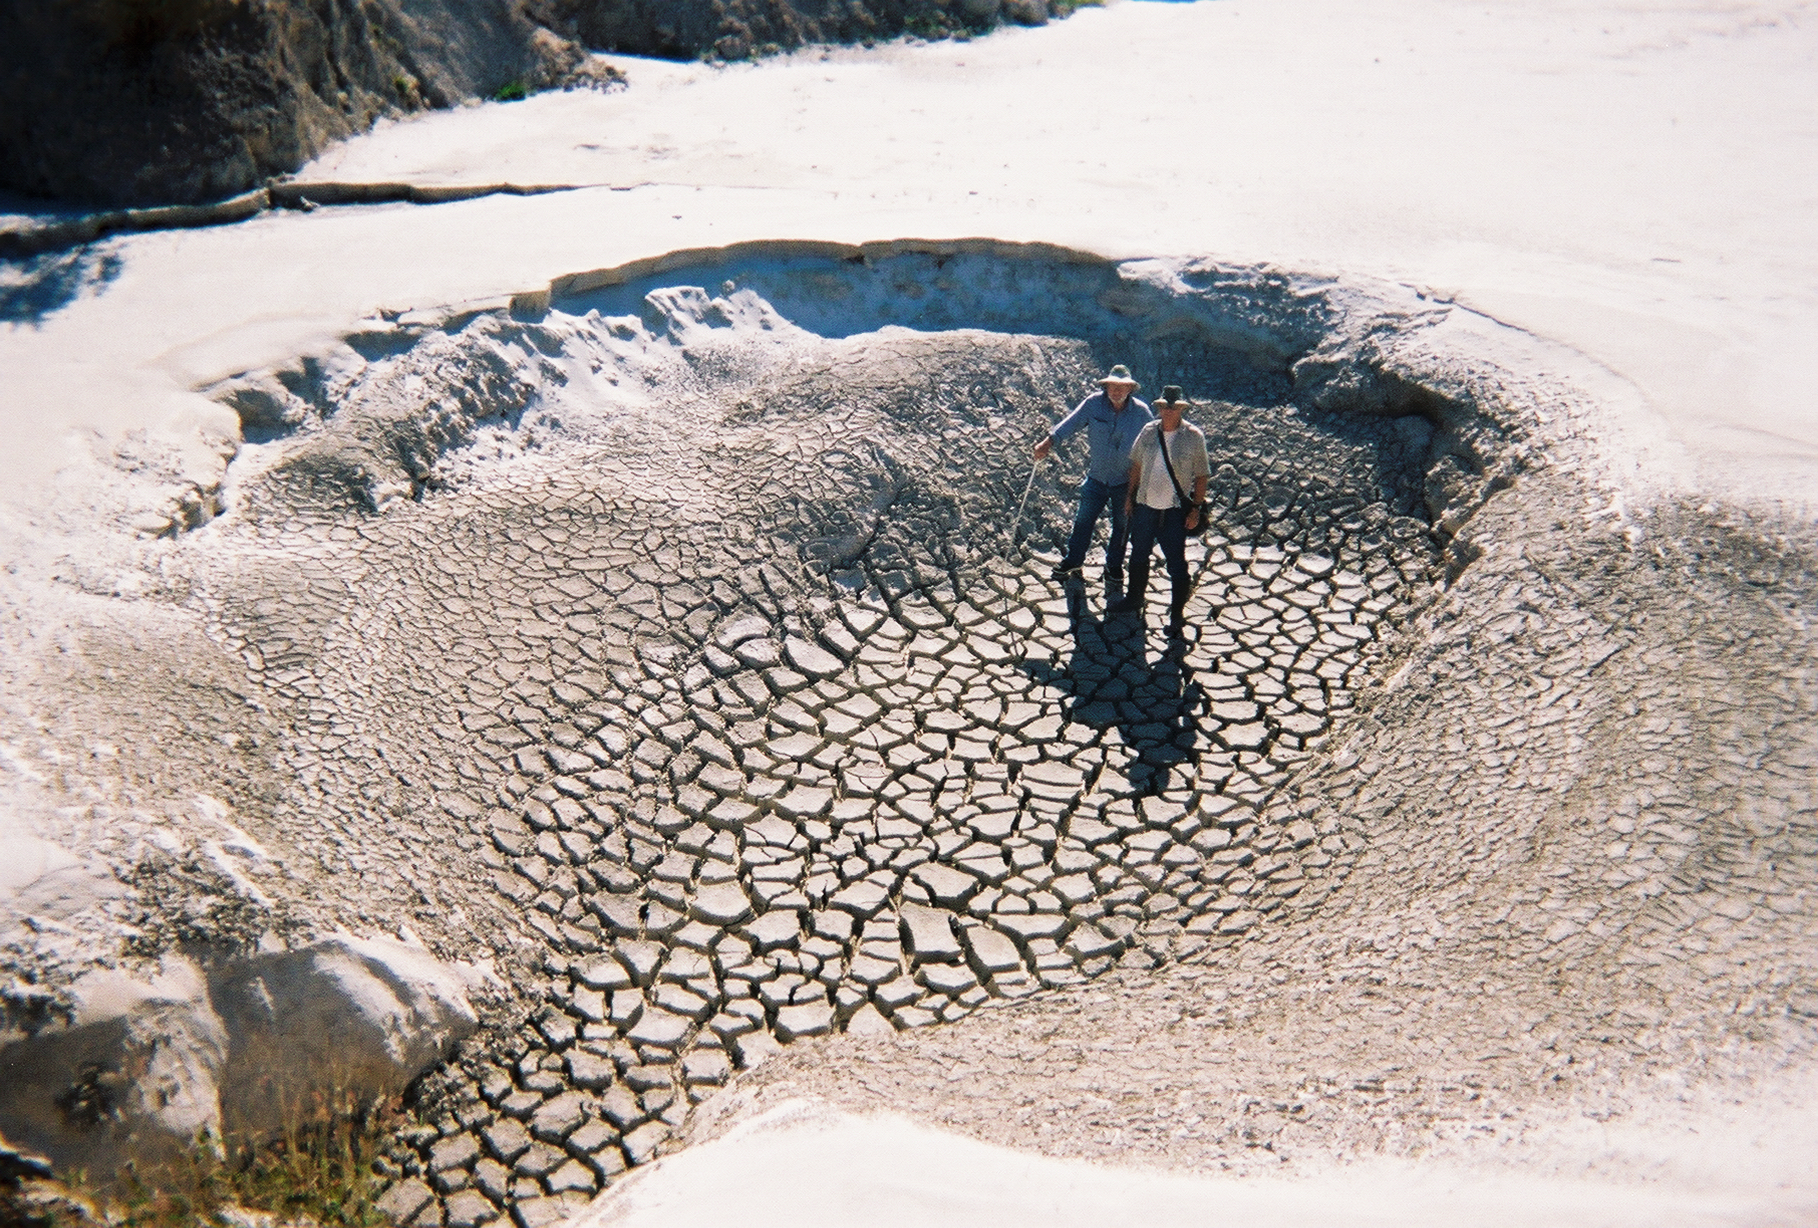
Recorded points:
(1161, 441)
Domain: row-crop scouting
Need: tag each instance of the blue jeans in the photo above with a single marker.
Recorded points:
(1093, 495)
(1168, 526)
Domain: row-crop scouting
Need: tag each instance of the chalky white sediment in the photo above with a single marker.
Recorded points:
(887, 1171)
(1633, 187)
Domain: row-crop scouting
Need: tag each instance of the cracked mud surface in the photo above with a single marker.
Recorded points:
(1615, 871)
(743, 805)
(702, 687)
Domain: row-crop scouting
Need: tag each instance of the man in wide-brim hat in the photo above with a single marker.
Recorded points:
(1111, 418)
(1169, 467)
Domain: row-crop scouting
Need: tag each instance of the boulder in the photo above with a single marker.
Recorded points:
(131, 1071)
(138, 1067)
(350, 1018)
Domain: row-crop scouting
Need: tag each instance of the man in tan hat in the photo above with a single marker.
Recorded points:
(1111, 418)
(1165, 499)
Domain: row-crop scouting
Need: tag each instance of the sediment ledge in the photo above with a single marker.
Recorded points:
(39, 238)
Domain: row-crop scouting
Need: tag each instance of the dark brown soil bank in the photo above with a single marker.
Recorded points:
(136, 102)
(163, 101)
(734, 29)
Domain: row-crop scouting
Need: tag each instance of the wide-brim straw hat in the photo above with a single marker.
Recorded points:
(1120, 374)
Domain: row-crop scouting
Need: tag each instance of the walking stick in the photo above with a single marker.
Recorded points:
(1028, 486)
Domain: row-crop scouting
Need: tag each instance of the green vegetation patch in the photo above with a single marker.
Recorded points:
(324, 1169)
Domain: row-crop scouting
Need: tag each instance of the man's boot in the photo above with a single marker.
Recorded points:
(1132, 602)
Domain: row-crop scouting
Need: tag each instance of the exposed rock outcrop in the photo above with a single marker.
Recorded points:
(734, 29)
(152, 102)
(158, 101)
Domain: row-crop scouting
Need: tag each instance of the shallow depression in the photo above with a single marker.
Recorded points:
(688, 609)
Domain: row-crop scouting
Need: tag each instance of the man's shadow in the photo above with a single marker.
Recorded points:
(1125, 675)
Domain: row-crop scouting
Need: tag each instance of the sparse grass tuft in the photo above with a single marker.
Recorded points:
(512, 92)
(321, 1170)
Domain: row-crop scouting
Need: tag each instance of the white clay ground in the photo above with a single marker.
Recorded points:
(1610, 208)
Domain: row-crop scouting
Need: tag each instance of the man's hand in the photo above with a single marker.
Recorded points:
(1192, 516)
(1043, 448)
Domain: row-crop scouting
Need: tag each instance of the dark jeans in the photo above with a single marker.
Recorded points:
(1168, 526)
(1093, 495)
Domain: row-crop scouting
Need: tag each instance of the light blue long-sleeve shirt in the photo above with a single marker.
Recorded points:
(1110, 432)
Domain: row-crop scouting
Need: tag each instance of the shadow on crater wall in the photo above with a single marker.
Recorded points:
(32, 289)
